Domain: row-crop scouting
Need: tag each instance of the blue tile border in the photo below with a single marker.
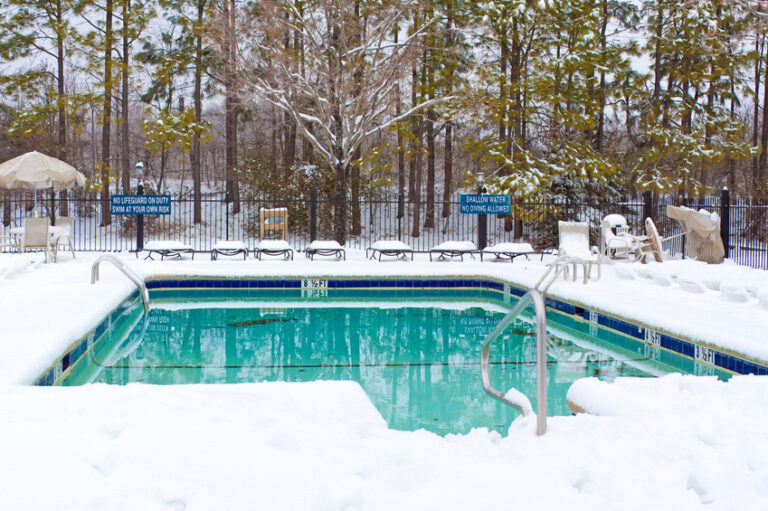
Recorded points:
(355, 287)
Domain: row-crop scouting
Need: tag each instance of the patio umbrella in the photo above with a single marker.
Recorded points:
(36, 170)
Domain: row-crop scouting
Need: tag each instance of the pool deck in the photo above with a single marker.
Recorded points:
(676, 442)
(48, 306)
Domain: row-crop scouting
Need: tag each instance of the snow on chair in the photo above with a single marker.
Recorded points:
(574, 248)
(617, 245)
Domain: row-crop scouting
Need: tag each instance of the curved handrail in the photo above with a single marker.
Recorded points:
(126, 271)
(535, 298)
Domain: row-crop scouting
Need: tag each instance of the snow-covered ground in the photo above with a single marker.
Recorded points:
(678, 442)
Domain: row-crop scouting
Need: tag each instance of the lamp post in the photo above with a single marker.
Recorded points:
(482, 220)
(140, 219)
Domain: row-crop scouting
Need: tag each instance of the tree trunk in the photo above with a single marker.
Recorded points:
(196, 171)
(106, 216)
(601, 93)
(232, 106)
(62, 113)
(763, 134)
(448, 169)
(126, 179)
(429, 214)
(416, 169)
(336, 84)
(759, 49)
(448, 147)
(657, 54)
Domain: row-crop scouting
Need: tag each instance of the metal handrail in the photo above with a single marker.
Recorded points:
(536, 297)
(126, 271)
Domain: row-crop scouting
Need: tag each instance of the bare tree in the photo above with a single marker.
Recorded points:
(352, 66)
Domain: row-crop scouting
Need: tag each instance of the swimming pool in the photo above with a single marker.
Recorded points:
(412, 344)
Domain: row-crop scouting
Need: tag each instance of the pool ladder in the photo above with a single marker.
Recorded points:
(126, 271)
(536, 297)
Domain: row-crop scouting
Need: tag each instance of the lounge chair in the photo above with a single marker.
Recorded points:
(325, 248)
(37, 237)
(574, 248)
(453, 249)
(229, 248)
(388, 248)
(273, 247)
(65, 226)
(509, 251)
(167, 248)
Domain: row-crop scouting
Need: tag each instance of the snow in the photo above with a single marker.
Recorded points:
(507, 248)
(390, 245)
(229, 245)
(673, 443)
(273, 245)
(166, 245)
(324, 245)
(455, 246)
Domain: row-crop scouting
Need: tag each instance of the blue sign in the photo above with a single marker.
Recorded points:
(140, 205)
(484, 204)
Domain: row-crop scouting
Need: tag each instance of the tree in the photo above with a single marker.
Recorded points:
(39, 26)
(334, 116)
(688, 130)
(193, 18)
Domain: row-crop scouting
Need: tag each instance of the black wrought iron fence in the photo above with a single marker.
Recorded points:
(746, 228)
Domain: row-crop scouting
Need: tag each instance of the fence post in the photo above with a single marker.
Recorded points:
(226, 214)
(312, 213)
(725, 218)
(647, 205)
(482, 220)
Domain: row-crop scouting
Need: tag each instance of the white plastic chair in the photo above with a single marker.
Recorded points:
(37, 237)
(64, 237)
(616, 246)
(574, 248)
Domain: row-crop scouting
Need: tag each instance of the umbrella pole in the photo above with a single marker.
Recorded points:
(53, 206)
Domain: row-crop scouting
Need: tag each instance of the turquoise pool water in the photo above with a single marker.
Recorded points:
(418, 362)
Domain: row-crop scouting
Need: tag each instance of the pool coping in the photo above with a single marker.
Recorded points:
(655, 339)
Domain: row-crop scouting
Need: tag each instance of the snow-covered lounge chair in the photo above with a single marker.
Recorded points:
(273, 248)
(167, 248)
(229, 248)
(509, 251)
(453, 249)
(574, 248)
(325, 248)
(388, 248)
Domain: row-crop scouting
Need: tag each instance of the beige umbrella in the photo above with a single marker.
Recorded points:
(703, 242)
(36, 170)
